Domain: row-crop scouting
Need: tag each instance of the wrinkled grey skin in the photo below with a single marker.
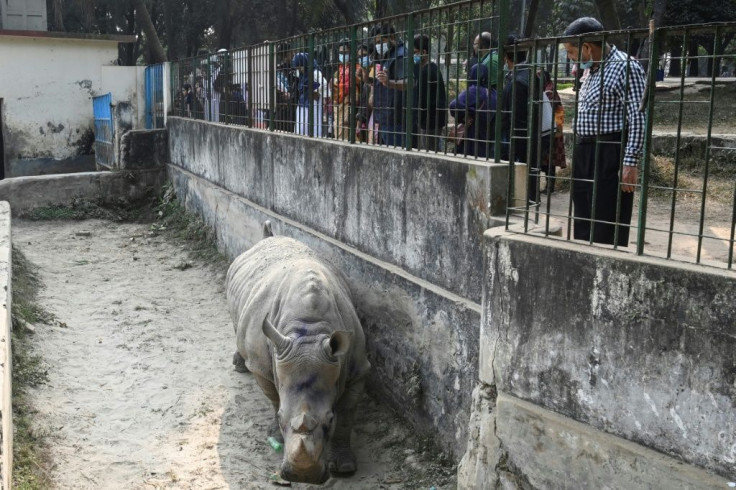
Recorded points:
(298, 333)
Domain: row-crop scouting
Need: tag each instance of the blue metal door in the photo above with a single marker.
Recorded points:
(155, 96)
(102, 108)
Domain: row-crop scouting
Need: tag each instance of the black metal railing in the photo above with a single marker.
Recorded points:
(338, 84)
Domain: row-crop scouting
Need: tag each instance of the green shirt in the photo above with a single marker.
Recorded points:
(491, 62)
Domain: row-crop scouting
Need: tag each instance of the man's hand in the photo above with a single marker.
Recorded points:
(629, 178)
(382, 77)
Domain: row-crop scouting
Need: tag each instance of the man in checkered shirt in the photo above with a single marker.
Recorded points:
(608, 119)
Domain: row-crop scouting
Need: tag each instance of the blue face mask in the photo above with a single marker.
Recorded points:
(417, 59)
(584, 65)
(344, 58)
(365, 61)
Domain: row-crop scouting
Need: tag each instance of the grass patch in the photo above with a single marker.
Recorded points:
(81, 209)
(30, 462)
(187, 229)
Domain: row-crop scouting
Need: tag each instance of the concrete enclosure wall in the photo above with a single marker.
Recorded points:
(6, 356)
(421, 212)
(641, 349)
(405, 228)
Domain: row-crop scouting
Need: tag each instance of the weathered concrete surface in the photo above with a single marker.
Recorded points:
(144, 149)
(51, 166)
(26, 193)
(637, 347)
(424, 213)
(6, 378)
(552, 451)
(421, 340)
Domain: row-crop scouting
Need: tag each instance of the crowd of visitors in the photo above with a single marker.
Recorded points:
(394, 88)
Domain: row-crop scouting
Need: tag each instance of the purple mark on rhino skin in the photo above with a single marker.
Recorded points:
(306, 384)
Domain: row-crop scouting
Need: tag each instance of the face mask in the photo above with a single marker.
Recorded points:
(584, 65)
(365, 61)
(417, 59)
(344, 58)
(382, 48)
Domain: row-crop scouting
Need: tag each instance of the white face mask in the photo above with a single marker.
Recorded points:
(382, 48)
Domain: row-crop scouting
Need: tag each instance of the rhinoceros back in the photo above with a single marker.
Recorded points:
(257, 284)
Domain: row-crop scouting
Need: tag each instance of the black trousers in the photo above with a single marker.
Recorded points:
(603, 226)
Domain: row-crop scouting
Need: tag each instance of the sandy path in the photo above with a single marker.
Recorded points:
(141, 390)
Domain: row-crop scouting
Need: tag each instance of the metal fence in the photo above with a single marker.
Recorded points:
(458, 99)
(681, 129)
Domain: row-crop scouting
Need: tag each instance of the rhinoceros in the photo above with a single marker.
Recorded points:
(297, 331)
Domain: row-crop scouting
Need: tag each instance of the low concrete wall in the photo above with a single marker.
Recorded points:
(638, 348)
(6, 387)
(422, 341)
(26, 193)
(143, 149)
(421, 212)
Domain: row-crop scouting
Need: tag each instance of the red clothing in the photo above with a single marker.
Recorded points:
(341, 83)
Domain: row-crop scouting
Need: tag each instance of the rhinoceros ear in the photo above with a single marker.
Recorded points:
(280, 342)
(338, 344)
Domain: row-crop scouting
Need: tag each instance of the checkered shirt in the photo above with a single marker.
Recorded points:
(615, 105)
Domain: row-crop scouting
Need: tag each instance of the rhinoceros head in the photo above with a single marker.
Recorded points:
(307, 367)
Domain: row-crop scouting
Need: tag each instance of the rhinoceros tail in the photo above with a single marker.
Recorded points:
(267, 232)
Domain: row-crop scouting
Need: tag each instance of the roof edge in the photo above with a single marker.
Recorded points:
(70, 36)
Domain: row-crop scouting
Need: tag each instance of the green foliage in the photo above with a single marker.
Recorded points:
(176, 222)
(81, 209)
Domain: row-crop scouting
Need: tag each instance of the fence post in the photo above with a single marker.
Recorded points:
(646, 157)
(352, 124)
(309, 69)
(271, 85)
(504, 12)
(409, 89)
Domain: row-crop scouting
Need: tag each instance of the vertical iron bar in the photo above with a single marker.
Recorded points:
(353, 85)
(504, 12)
(708, 143)
(271, 86)
(683, 64)
(309, 69)
(409, 80)
(654, 41)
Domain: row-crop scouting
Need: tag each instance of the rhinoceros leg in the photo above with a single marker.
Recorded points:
(239, 363)
(341, 459)
(269, 389)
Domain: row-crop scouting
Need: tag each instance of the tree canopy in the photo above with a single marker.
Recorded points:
(172, 29)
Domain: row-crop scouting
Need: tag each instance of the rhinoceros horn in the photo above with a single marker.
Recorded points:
(280, 342)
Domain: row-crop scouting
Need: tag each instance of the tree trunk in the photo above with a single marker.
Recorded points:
(342, 7)
(380, 9)
(609, 16)
(531, 18)
(158, 54)
(172, 39)
(694, 69)
(675, 65)
(57, 16)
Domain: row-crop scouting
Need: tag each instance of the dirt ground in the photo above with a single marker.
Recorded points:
(141, 392)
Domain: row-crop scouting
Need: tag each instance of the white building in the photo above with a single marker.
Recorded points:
(47, 82)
